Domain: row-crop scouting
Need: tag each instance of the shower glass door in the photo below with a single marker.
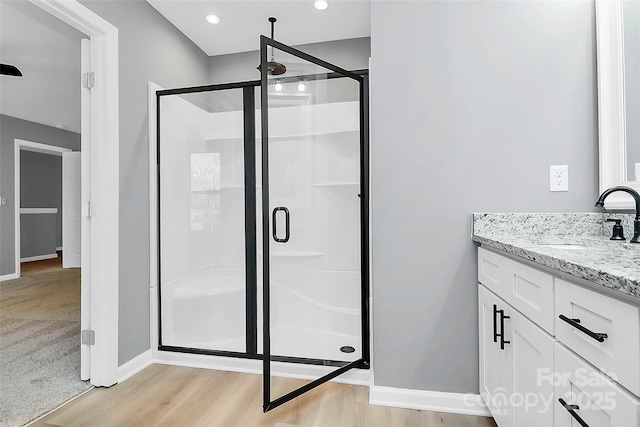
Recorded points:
(313, 196)
(206, 220)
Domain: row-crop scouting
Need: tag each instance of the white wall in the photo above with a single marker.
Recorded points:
(471, 102)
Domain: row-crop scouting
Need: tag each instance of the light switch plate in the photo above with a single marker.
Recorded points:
(559, 178)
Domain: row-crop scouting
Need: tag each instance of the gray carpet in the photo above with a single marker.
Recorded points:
(39, 345)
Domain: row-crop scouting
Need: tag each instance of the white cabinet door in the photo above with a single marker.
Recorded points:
(71, 210)
(516, 365)
(532, 352)
(496, 365)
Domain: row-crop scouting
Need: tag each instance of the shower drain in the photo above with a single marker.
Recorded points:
(347, 349)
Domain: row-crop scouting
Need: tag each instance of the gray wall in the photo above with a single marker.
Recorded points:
(41, 187)
(150, 49)
(37, 235)
(471, 102)
(10, 129)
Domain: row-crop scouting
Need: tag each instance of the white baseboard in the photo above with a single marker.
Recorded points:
(38, 257)
(10, 276)
(457, 403)
(252, 366)
(59, 248)
(134, 366)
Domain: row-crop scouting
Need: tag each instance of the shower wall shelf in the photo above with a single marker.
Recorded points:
(315, 137)
(328, 119)
(334, 184)
(320, 184)
(296, 254)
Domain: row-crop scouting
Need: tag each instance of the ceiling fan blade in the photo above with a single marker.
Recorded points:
(9, 70)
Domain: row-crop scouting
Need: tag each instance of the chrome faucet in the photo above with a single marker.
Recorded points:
(636, 197)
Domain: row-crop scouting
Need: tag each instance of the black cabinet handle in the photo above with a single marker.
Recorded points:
(495, 328)
(287, 225)
(495, 324)
(502, 340)
(600, 337)
(572, 410)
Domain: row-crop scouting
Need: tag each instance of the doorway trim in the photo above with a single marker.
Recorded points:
(103, 183)
(22, 145)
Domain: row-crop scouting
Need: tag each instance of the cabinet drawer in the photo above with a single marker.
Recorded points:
(600, 402)
(615, 352)
(528, 290)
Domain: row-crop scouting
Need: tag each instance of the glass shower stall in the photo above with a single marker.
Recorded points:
(263, 218)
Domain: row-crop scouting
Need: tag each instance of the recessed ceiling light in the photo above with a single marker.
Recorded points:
(321, 4)
(213, 19)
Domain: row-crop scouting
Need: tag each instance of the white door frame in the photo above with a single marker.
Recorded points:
(104, 183)
(18, 146)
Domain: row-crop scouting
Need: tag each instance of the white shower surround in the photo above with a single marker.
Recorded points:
(309, 319)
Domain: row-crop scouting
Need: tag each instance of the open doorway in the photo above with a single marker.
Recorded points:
(40, 214)
(100, 148)
(41, 308)
(100, 134)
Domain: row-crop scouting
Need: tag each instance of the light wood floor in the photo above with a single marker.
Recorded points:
(164, 395)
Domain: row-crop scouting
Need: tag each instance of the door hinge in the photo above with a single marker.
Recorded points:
(88, 80)
(88, 337)
(87, 209)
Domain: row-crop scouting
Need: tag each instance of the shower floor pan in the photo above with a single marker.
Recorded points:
(206, 311)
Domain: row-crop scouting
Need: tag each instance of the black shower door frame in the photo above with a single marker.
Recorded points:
(364, 361)
(251, 301)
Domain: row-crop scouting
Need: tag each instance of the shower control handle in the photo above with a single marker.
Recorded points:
(287, 230)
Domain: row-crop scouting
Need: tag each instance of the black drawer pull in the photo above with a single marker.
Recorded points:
(571, 409)
(600, 337)
(495, 324)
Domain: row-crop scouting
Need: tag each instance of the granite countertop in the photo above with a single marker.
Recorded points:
(570, 243)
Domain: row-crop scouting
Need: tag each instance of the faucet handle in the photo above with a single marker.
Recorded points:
(618, 231)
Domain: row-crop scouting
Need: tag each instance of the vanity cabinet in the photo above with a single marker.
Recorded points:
(537, 369)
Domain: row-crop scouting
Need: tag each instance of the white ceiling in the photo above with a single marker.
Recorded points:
(243, 21)
(47, 51)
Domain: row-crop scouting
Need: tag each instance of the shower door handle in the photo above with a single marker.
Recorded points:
(287, 229)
